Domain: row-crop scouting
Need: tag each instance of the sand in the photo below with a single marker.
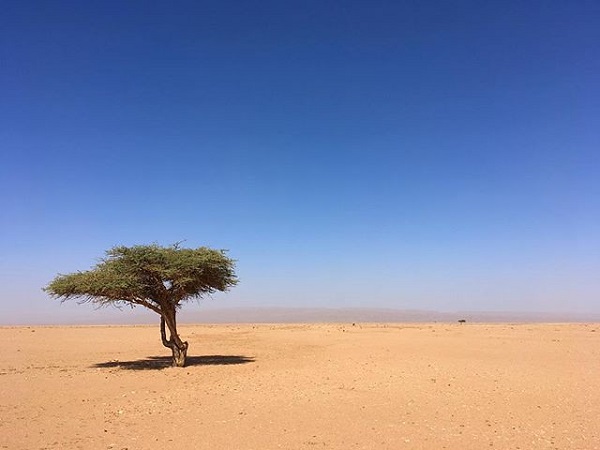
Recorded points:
(368, 386)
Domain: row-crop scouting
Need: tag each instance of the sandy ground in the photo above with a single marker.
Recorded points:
(421, 386)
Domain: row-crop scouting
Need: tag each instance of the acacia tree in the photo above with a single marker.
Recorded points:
(158, 278)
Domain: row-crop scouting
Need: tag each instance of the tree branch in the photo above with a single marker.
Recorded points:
(146, 304)
(169, 317)
(163, 334)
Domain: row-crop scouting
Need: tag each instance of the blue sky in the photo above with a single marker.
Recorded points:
(414, 155)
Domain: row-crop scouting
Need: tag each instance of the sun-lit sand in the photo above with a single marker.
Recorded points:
(404, 386)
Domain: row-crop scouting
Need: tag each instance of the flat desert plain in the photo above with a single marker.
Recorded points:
(344, 386)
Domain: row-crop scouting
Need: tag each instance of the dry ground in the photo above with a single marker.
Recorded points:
(421, 386)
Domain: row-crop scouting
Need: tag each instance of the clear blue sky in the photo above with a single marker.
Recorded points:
(406, 154)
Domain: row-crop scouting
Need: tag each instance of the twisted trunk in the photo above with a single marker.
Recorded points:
(178, 347)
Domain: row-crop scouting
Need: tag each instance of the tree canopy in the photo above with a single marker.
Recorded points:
(158, 278)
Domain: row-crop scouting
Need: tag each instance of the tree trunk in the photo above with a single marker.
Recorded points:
(179, 355)
(177, 346)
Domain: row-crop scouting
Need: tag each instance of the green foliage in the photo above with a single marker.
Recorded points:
(156, 277)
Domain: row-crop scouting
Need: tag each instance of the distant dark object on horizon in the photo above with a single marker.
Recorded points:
(462, 320)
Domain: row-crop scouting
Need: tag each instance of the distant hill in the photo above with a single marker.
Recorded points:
(210, 315)
(316, 315)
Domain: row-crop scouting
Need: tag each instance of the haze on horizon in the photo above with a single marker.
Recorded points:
(407, 155)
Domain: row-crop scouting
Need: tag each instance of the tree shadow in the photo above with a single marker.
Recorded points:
(162, 362)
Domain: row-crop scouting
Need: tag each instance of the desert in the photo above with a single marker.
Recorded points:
(303, 386)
